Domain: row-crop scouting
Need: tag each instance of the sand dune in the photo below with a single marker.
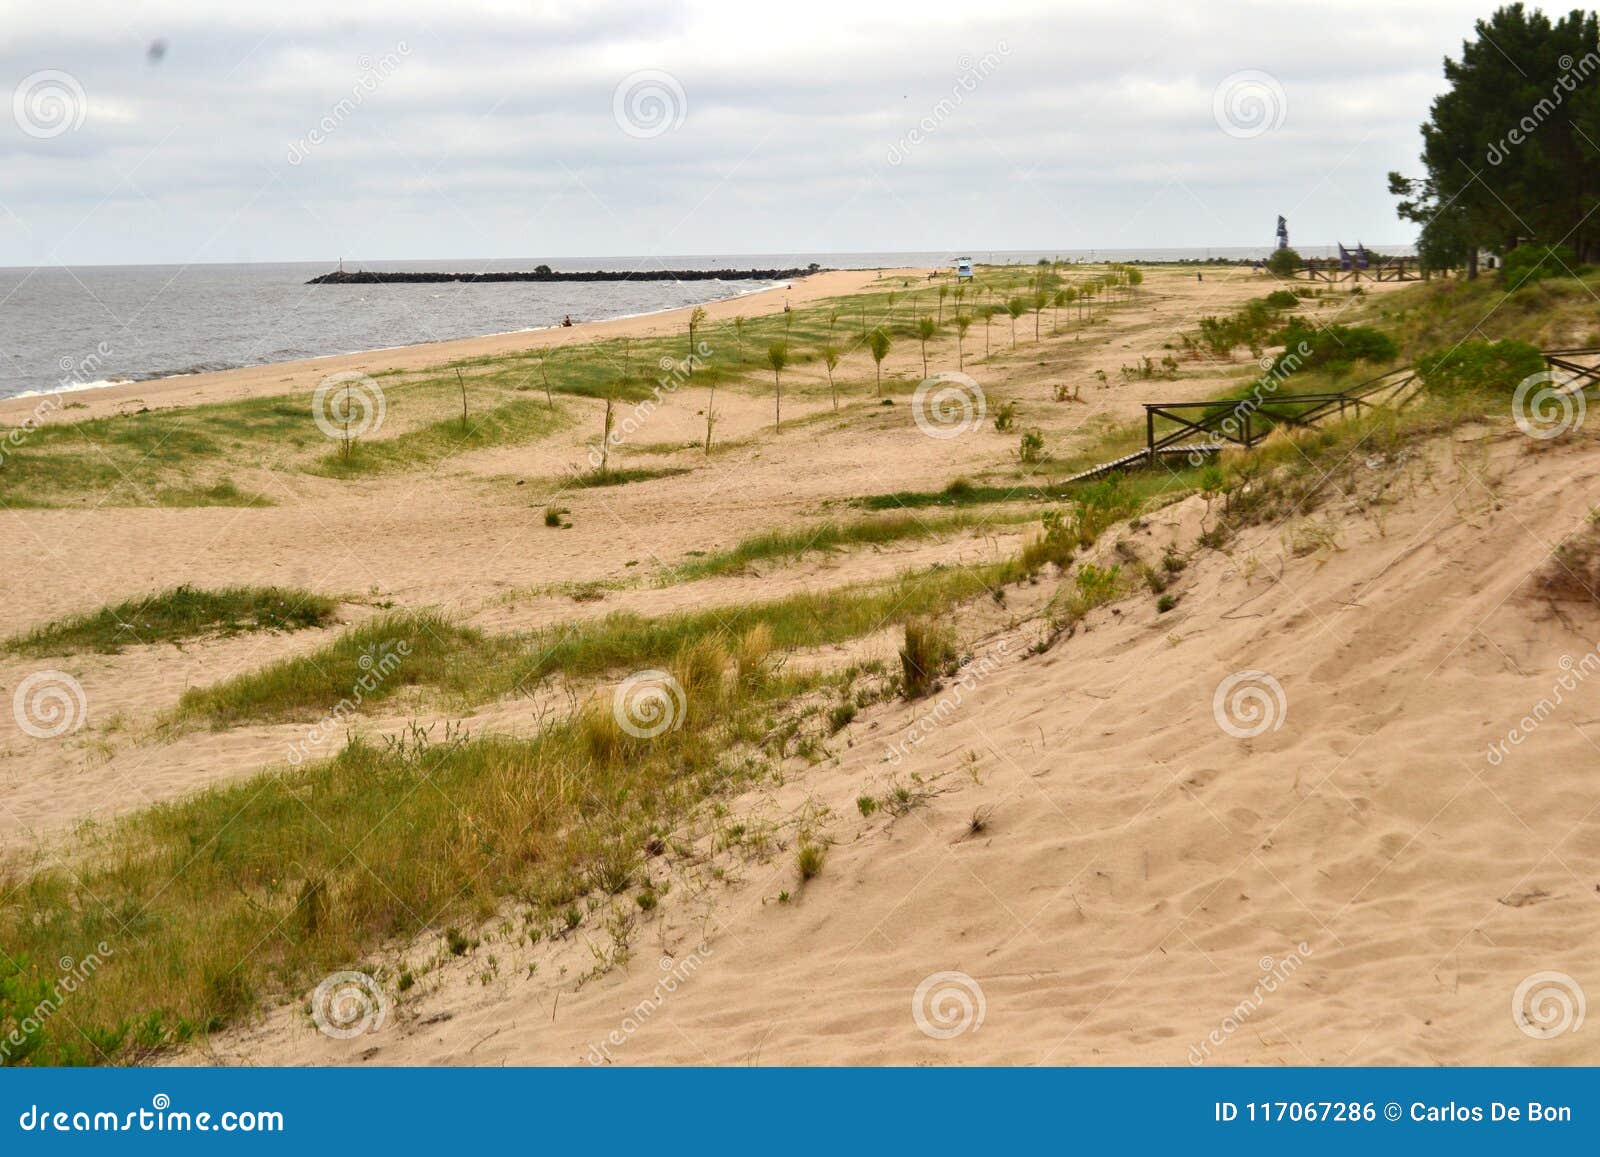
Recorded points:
(1358, 884)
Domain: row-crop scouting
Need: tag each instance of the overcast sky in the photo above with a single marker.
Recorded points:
(184, 132)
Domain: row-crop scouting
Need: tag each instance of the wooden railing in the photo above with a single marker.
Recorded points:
(1174, 428)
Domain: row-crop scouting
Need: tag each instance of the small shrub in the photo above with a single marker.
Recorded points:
(1334, 348)
(927, 655)
(866, 805)
(1165, 603)
(1031, 449)
(552, 515)
(1527, 264)
(809, 861)
(1055, 545)
(840, 717)
(1495, 367)
(1005, 416)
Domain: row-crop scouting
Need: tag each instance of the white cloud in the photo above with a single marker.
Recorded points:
(494, 133)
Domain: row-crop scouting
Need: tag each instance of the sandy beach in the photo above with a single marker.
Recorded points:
(1091, 872)
(290, 377)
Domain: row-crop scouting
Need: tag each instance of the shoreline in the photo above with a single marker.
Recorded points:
(109, 383)
(269, 378)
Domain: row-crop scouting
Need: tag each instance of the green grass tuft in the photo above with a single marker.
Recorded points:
(175, 615)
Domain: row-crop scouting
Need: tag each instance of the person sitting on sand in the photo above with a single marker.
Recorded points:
(566, 321)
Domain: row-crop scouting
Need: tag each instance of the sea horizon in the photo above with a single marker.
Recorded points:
(80, 327)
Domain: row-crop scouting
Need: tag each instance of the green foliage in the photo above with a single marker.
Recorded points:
(1527, 264)
(1031, 447)
(809, 860)
(178, 614)
(1332, 348)
(1496, 367)
(1509, 147)
(1284, 263)
(927, 655)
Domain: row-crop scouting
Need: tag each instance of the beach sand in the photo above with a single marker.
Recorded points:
(1110, 875)
(1357, 884)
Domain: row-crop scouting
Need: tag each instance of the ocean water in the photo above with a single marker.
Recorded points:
(86, 326)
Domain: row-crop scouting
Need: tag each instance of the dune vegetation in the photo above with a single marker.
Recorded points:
(176, 616)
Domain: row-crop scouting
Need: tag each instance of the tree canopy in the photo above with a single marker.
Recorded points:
(1511, 151)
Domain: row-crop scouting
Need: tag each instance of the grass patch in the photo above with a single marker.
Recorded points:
(249, 892)
(149, 458)
(613, 477)
(791, 545)
(512, 423)
(365, 665)
(223, 493)
(808, 619)
(176, 615)
(372, 662)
